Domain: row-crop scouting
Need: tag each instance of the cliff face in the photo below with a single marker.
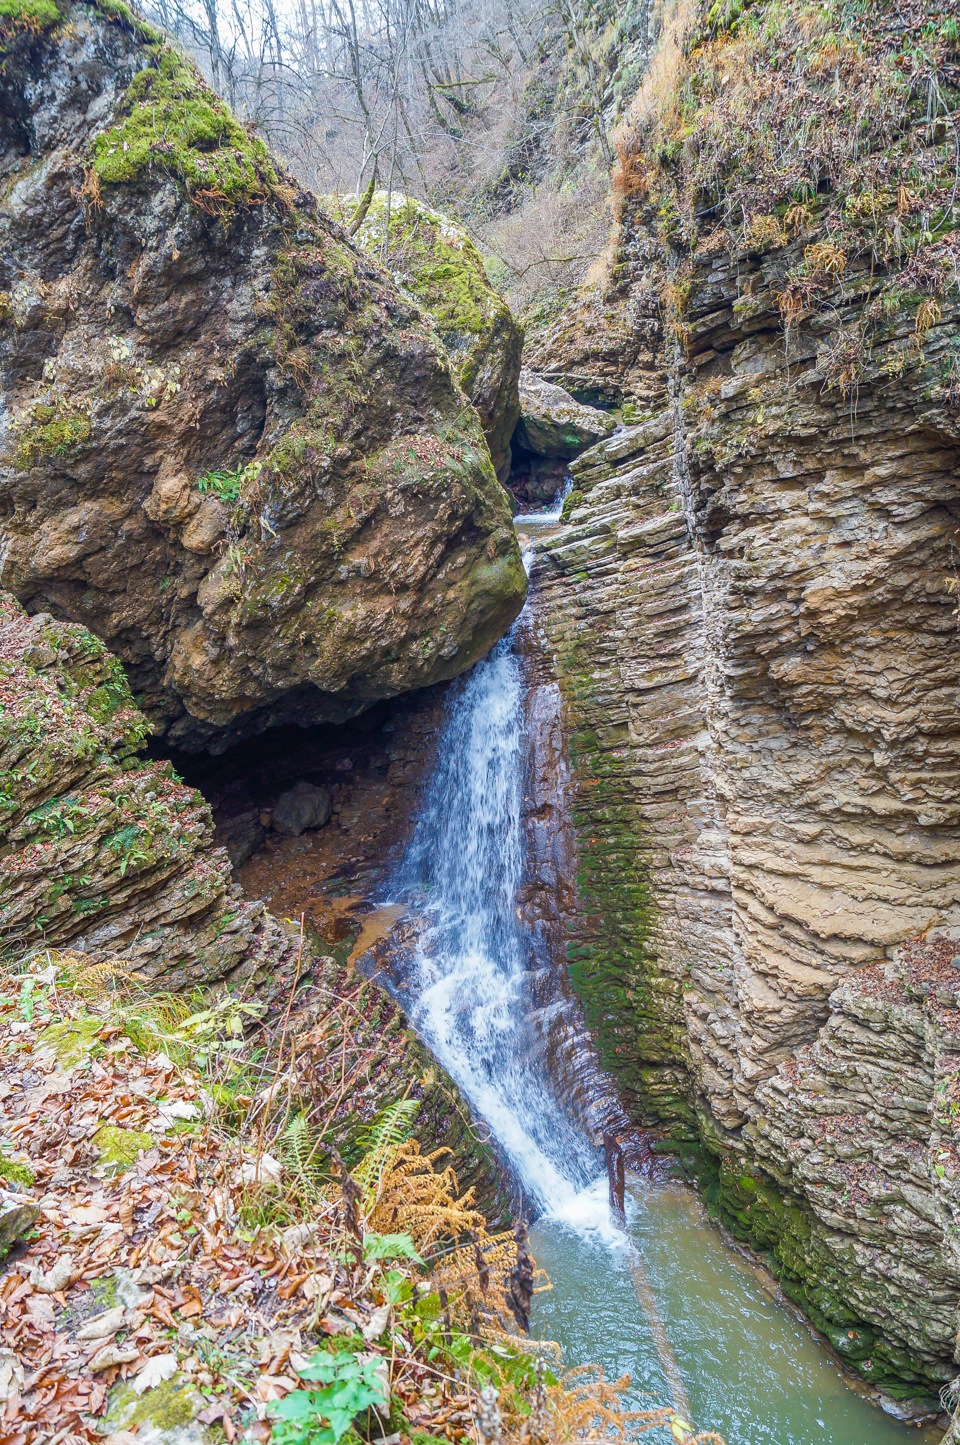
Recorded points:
(753, 613)
(230, 447)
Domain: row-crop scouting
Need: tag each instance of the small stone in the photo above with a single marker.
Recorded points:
(302, 808)
(17, 1215)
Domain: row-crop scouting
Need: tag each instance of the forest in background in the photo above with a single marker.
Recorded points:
(499, 112)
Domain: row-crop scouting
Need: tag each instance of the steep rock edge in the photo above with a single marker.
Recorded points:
(434, 259)
(111, 857)
(752, 616)
(232, 449)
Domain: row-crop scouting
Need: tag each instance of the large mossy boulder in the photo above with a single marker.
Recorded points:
(232, 448)
(435, 260)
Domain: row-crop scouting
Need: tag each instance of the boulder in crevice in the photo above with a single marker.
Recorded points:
(433, 258)
(552, 424)
(301, 809)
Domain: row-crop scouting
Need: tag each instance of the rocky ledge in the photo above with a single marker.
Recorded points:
(231, 448)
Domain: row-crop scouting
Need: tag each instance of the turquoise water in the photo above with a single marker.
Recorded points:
(749, 1368)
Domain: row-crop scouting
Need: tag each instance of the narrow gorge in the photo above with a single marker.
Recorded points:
(479, 755)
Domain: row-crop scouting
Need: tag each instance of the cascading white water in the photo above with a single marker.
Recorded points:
(467, 984)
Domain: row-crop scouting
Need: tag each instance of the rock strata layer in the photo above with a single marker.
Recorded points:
(101, 851)
(231, 448)
(752, 613)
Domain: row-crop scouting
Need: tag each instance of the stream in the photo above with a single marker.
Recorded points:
(658, 1296)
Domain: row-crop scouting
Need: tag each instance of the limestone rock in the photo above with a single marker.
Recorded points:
(18, 1213)
(435, 260)
(552, 424)
(302, 808)
(232, 449)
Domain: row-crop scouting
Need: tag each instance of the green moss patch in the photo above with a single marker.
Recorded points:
(171, 119)
(49, 435)
(632, 1010)
(437, 263)
(168, 1406)
(16, 1172)
(120, 1148)
(71, 1041)
(18, 17)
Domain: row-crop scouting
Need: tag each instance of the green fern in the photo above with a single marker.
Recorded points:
(388, 1131)
(298, 1144)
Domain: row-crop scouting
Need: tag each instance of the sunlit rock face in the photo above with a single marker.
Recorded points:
(230, 447)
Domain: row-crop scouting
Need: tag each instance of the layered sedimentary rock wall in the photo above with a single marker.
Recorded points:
(102, 851)
(109, 859)
(230, 447)
(753, 614)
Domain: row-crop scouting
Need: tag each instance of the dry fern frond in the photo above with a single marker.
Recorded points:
(413, 1197)
(586, 1406)
(92, 980)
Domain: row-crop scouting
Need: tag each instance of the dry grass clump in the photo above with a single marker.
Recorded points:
(834, 123)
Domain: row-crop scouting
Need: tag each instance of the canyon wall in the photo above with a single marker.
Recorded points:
(752, 608)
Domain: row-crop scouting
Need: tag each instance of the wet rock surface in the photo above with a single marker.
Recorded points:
(233, 450)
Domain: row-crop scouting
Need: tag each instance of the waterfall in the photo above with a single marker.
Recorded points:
(467, 984)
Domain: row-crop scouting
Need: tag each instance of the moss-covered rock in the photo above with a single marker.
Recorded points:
(434, 259)
(164, 1415)
(236, 452)
(100, 851)
(169, 118)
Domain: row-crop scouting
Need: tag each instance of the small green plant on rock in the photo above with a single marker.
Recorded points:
(49, 435)
(228, 485)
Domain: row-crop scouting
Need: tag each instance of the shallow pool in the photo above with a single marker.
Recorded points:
(683, 1314)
